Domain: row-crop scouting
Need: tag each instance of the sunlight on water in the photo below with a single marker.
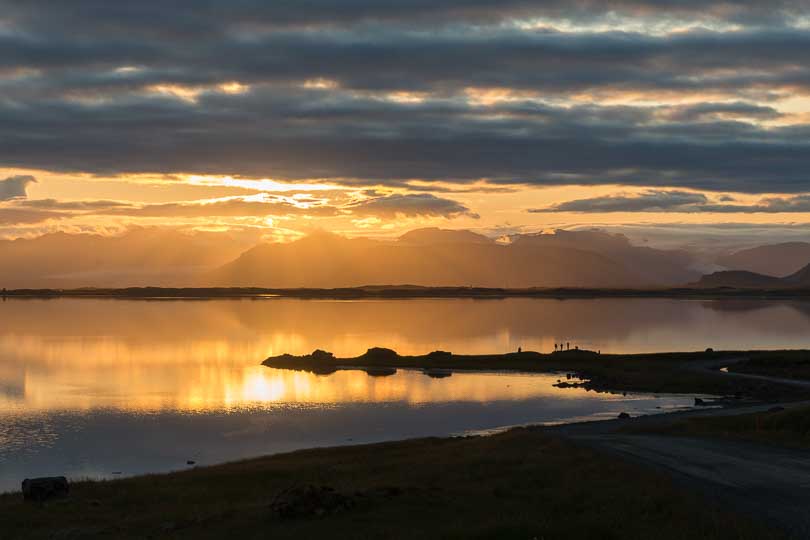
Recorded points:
(93, 387)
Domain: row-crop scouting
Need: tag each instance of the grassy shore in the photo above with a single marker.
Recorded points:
(785, 364)
(520, 484)
(778, 426)
(656, 373)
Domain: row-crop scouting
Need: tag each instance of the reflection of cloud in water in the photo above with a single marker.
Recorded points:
(742, 305)
(93, 386)
(230, 328)
(196, 388)
(81, 354)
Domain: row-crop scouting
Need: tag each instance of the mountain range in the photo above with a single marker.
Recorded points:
(422, 257)
(148, 256)
(772, 260)
(435, 257)
(742, 279)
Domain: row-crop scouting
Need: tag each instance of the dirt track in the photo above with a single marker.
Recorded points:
(766, 481)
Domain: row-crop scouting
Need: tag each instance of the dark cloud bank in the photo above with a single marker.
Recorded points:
(678, 201)
(80, 90)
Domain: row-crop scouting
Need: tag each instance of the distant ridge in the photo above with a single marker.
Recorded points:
(435, 257)
(778, 260)
(739, 279)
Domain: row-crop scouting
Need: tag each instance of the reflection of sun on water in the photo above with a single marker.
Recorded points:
(199, 376)
(199, 356)
(256, 387)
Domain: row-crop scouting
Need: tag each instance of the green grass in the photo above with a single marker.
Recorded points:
(519, 484)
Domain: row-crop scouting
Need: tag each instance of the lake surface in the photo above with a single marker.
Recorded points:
(97, 388)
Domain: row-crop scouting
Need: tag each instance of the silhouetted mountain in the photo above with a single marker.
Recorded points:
(443, 236)
(739, 279)
(800, 278)
(773, 260)
(649, 265)
(140, 257)
(423, 257)
(432, 257)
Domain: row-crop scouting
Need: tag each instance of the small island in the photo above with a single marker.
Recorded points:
(741, 375)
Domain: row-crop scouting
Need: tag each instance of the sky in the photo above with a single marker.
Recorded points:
(668, 119)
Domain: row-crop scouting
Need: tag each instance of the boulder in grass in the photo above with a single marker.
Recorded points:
(44, 489)
(320, 354)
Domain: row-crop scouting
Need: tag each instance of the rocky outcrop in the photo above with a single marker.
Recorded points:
(44, 489)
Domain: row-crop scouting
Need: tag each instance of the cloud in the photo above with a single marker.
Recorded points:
(14, 187)
(188, 18)
(88, 206)
(355, 91)
(18, 216)
(372, 203)
(650, 201)
(678, 201)
(719, 111)
(231, 207)
(410, 205)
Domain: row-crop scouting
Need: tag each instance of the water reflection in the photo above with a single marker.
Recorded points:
(88, 387)
(191, 355)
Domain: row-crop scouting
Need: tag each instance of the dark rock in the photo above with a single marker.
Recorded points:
(699, 402)
(437, 373)
(709, 350)
(323, 370)
(43, 489)
(624, 415)
(191, 462)
(319, 354)
(381, 354)
(380, 371)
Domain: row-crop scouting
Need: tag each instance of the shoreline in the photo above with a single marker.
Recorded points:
(656, 373)
(536, 476)
(407, 480)
(404, 292)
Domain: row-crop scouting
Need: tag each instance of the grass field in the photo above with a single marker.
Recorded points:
(520, 484)
(789, 427)
(787, 364)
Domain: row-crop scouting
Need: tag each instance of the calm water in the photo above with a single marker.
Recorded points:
(101, 387)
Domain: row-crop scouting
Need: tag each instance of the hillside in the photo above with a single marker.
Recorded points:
(772, 260)
(432, 257)
(739, 279)
(139, 257)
